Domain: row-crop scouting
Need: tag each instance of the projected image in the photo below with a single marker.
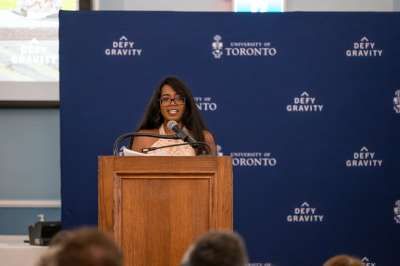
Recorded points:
(29, 39)
(259, 5)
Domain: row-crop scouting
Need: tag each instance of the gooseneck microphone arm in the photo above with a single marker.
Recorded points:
(183, 134)
(193, 144)
(124, 136)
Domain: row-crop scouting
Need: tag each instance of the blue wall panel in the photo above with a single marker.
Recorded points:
(305, 103)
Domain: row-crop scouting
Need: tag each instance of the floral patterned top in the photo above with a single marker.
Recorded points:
(183, 150)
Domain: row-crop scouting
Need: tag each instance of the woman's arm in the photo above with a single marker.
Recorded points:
(141, 142)
(209, 139)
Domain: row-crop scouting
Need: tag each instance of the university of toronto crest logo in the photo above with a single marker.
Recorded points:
(217, 47)
(396, 211)
(396, 102)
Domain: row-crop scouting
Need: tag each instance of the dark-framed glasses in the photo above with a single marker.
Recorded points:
(166, 100)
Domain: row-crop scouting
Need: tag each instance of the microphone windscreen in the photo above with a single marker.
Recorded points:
(171, 124)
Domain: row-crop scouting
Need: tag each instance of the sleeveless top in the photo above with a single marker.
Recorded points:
(183, 150)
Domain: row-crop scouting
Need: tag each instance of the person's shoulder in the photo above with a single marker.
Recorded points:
(149, 131)
(140, 142)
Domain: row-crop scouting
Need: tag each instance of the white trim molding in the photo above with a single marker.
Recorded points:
(30, 204)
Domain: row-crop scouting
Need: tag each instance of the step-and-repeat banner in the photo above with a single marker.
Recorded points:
(307, 105)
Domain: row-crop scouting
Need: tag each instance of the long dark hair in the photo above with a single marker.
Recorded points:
(191, 118)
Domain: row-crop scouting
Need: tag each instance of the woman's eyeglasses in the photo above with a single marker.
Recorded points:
(166, 100)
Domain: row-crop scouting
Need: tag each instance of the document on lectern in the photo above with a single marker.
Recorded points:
(127, 152)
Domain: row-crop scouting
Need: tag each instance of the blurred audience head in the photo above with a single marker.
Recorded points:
(82, 247)
(61, 237)
(217, 248)
(343, 260)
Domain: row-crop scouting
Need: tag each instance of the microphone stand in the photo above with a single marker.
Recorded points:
(193, 144)
(124, 136)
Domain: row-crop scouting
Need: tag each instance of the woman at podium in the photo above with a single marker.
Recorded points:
(172, 110)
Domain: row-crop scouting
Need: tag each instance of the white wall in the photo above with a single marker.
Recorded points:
(340, 5)
(179, 5)
(396, 5)
(29, 167)
(226, 5)
(108, 4)
(165, 5)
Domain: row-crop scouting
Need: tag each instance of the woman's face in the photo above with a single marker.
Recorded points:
(172, 105)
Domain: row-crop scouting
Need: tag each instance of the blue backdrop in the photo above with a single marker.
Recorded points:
(307, 104)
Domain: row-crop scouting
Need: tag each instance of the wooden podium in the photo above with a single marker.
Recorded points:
(155, 207)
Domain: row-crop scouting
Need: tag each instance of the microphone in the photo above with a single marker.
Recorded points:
(182, 134)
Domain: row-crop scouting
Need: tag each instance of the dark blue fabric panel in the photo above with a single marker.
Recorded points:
(285, 161)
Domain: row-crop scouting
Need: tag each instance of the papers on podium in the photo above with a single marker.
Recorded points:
(124, 151)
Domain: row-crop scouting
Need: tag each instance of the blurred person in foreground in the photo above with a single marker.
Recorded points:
(82, 247)
(217, 248)
(343, 260)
